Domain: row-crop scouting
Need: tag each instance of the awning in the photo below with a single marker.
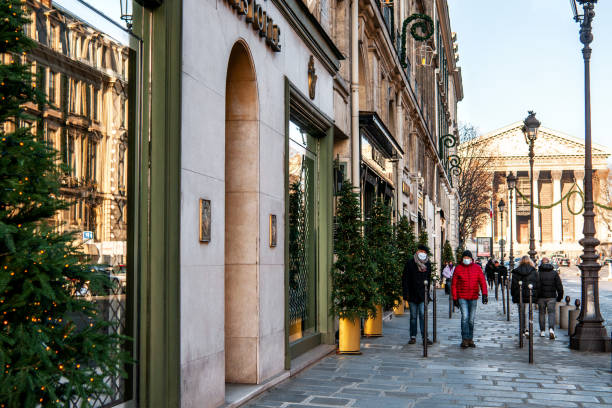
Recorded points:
(377, 132)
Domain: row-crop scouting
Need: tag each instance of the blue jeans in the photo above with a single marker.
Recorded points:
(414, 309)
(468, 314)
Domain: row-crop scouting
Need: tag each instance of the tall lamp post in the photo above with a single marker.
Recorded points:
(511, 181)
(530, 129)
(502, 206)
(590, 334)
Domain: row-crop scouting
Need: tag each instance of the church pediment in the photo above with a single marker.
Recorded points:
(510, 142)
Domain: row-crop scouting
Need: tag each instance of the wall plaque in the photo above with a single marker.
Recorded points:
(273, 230)
(205, 220)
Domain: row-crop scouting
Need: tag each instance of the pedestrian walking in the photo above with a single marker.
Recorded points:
(490, 272)
(502, 271)
(550, 292)
(526, 273)
(447, 273)
(416, 271)
(468, 282)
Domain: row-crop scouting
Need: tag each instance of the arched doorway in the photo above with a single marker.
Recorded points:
(241, 218)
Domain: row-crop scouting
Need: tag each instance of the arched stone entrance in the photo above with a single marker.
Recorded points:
(241, 218)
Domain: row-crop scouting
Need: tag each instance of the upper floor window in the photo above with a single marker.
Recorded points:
(53, 36)
(52, 85)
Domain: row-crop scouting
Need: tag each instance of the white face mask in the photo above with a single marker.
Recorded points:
(467, 261)
(422, 256)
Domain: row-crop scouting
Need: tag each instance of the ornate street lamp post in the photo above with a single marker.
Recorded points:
(530, 129)
(590, 334)
(511, 180)
(502, 206)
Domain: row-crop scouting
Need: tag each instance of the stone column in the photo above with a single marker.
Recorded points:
(537, 232)
(557, 219)
(578, 219)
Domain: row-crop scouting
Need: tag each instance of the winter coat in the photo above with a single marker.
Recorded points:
(468, 281)
(528, 274)
(502, 272)
(448, 271)
(550, 285)
(490, 270)
(413, 286)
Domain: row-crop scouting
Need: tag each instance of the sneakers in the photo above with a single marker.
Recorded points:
(465, 344)
(551, 334)
(471, 344)
(429, 342)
(412, 340)
(542, 333)
(526, 333)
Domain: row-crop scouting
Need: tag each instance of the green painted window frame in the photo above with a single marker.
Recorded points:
(298, 105)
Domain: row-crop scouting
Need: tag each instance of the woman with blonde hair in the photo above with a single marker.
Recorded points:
(526, 273)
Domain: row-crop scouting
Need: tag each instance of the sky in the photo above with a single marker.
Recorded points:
(520, 55)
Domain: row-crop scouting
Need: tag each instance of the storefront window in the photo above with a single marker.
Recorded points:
(302, 232)
(97, 156)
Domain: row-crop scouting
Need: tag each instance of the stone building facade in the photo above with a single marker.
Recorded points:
(83, 73)
(558, 168)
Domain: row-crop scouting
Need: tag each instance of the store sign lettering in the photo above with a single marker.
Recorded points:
(259, 19)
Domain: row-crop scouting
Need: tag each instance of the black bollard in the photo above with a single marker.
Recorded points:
(435, 314)
(508, 297)
(496, 284)
(503, 292)
(530, 286)
(425, 318)
(450, 305)
(521, 314)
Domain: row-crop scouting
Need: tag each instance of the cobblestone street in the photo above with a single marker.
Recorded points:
(392, 374)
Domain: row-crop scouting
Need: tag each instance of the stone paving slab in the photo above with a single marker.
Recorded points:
(392, 374)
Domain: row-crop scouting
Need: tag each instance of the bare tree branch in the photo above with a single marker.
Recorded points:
(475, 183)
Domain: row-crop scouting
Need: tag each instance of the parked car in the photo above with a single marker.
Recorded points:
(555, 266)
(608, 261)
(564, 262)
(119, 276)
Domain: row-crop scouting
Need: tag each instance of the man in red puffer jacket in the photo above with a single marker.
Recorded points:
(468, 281)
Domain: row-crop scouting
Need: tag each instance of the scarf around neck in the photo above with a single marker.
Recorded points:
(421, 265)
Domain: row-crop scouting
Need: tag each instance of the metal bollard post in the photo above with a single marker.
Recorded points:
(435, 314)
(530, 286)
(425, 318)
(496, 284)
(508, 296)
(521, 314)
(450, 305)
(503, 292)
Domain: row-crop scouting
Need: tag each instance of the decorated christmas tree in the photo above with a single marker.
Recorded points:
(353, 285)
(55, 349)
(384, 253)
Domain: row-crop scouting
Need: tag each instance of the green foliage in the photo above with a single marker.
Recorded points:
(383, 251)
(406, 240)
(459, 254)
(423, 238)
(447, 253)
(353, 286)
(54, 347)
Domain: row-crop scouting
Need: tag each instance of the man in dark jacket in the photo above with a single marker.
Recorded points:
(490, 272)
(416, 271)
(502, 272)
(550, 292)
(526, 273)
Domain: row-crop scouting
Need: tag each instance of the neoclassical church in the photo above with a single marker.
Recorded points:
(558, 168)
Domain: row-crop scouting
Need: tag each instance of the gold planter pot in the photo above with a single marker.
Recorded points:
(349, 337)
(373, 325)
(398, 309)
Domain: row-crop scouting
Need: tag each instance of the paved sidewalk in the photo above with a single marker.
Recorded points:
(392, 374)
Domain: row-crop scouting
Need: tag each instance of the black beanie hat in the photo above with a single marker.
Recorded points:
(422, 247)
(467, 253)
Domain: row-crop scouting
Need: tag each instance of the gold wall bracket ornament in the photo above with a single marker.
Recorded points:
(312, 78)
